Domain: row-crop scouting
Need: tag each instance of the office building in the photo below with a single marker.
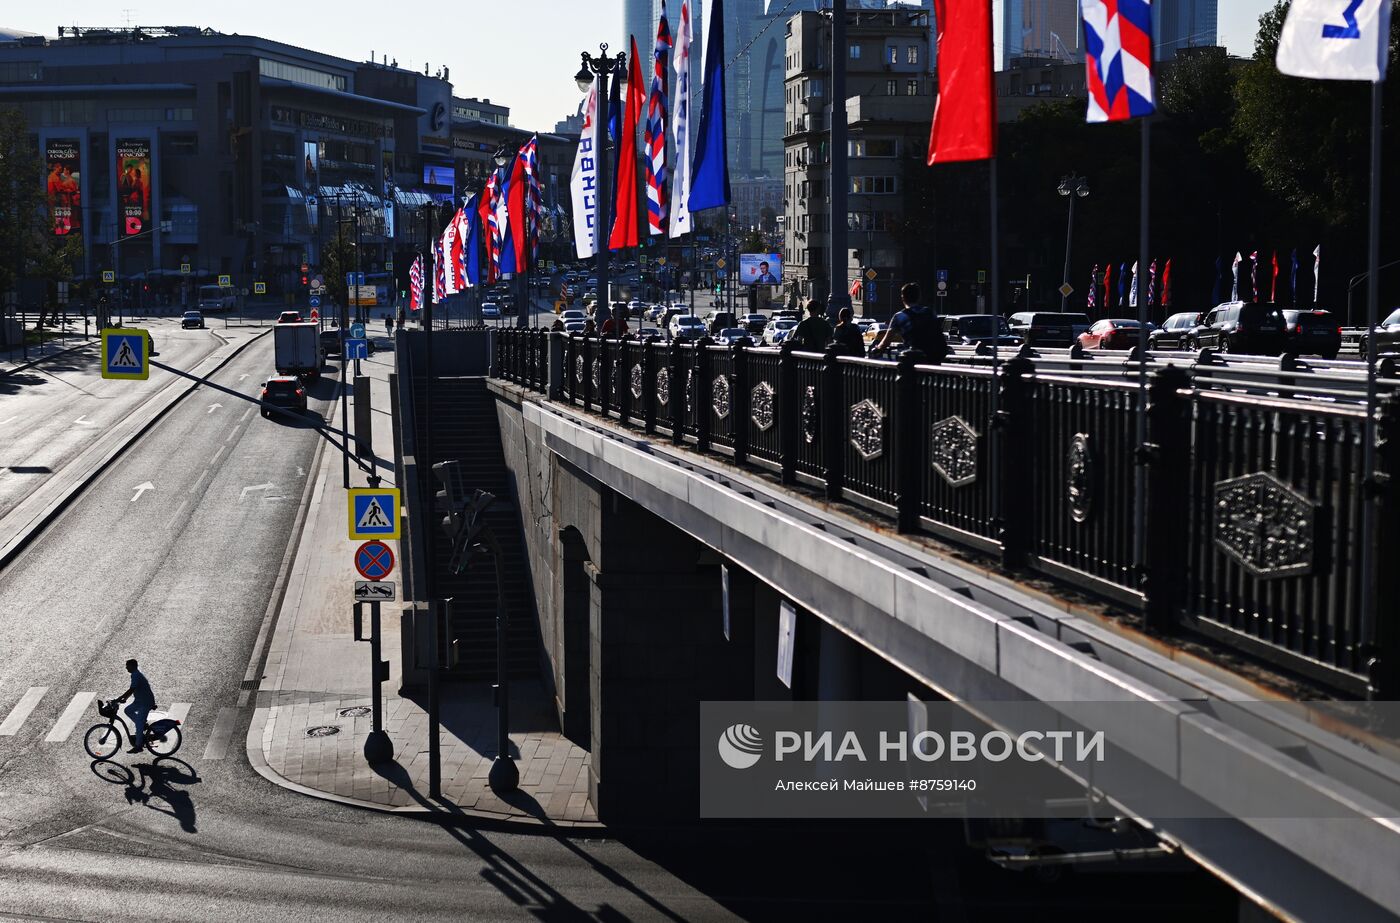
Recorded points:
(1040, 28)
(889, 103)
(1179, 24)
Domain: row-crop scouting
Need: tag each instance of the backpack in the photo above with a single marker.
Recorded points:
(925, 334)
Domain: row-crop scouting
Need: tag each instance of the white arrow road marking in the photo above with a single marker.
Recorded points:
(301, 472)
(273, 499)
(141, 489)
(241, 377)
(83, 421)
(214, 407)
(243, 494)
(13, 419)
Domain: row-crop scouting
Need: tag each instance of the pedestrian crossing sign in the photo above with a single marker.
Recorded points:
(374, 513)
(126, 354)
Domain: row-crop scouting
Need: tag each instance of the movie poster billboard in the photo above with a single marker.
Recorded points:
(760, 268)
(63, 189)
(134, 185)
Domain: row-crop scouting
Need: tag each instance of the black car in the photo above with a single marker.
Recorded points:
(1241, 327)
(1049, 328)
(192, 320)
(283, 391)
(970, 329)
(333, 342)
(1387, 336)
(1175, 333)
(1312, 333)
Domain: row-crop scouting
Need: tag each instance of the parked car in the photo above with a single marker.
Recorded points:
(969, 329)
(1312, 333)
(1175, 333)
(685, 327)
(192, 320)
(1049, 328)
(1242, 327)
(1387, 336)
(722, 320)
(490, 310)
(283, 391)
(1111, 333)
(754, 323)
(289, 317)
(778, 330)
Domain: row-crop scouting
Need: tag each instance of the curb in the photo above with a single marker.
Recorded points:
(506, 822)
(12, 548)
(51, 356)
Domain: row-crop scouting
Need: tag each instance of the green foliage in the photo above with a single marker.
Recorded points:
(28, 247)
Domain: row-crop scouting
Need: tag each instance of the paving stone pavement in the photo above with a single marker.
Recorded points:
(315, 671)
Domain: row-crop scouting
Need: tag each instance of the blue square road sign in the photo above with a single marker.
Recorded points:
(126, 354)
(374, 513)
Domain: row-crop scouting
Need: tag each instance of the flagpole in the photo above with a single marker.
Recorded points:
(1140, 469)
(838, 296)
(1368, 509)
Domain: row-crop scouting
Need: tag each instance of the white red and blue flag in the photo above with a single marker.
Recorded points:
(415, 284)
(439, 274)
(658, 103)
(534, 197)
(1118, 59)
(680, 128)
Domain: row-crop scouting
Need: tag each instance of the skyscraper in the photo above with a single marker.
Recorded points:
(1181, 24)
(1042, 28)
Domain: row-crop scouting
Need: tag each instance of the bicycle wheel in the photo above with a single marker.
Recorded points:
(102, 741)
(168, 745)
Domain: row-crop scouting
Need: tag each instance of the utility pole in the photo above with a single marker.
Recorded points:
(838, 297)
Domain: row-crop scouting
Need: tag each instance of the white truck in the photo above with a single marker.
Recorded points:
(297, 349)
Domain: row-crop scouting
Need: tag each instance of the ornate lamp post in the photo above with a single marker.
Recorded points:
(601, 67)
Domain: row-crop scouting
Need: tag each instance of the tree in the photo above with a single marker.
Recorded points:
(28, 247)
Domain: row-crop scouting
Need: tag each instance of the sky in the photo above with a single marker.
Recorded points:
(532, 74)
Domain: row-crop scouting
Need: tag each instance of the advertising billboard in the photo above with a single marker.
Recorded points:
(63, 189)
(760, 269)
(311, 165)
(133, 186)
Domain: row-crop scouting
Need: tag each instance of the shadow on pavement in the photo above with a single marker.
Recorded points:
(153, 784)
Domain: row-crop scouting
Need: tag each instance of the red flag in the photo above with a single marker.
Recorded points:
(964, 118)
(1108, 286)
(1273, 292)
(485, 210)
(625, 217)
(1167, 284)
(519, 214)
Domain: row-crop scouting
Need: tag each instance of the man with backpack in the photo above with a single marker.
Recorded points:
(916, 326)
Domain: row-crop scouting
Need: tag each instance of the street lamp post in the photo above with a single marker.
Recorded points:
(838, 297)
(1071, 187)
(602, 67)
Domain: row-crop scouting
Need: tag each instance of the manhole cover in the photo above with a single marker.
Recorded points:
(354, 711)
(323, 730)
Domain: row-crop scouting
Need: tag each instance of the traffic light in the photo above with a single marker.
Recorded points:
(304, 280)
(462, 521)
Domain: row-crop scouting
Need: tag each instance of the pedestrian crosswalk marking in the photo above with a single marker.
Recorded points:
(77, 707)
(178, 711)
(373, 517)
(222, 734)
(27, 703)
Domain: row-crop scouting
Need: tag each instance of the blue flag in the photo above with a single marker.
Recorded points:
(1293, 285)
(471, 247)
(710, 177)
(1123, 285)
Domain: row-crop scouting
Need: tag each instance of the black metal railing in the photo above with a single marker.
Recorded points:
(1252, 522)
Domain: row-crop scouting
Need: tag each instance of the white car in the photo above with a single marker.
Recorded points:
(573, 314)
(574, 326)
(777, 330)
(685, 327)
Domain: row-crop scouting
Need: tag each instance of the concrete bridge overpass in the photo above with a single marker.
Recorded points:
(635, 518)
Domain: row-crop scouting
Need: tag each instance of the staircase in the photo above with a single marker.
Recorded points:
(465, 428)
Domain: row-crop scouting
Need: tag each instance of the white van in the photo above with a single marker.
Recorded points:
(215, 299)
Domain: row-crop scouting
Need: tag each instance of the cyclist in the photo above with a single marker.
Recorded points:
(916, 326)
(142, 701)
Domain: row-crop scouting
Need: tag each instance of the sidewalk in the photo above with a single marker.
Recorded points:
(312, 708)
(15, 358)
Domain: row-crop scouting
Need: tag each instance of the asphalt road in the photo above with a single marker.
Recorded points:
(179, 576)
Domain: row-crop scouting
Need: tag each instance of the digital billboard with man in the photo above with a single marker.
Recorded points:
(761, 268)
(133, 186)
(63, 187)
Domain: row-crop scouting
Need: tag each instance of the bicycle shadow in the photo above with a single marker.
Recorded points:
(156, 784)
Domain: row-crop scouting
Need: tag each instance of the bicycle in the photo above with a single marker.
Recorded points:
(102, 741)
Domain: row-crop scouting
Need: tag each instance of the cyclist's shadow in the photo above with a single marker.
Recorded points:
(156, 784)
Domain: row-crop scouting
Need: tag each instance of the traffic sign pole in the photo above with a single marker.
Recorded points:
(378, 747)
